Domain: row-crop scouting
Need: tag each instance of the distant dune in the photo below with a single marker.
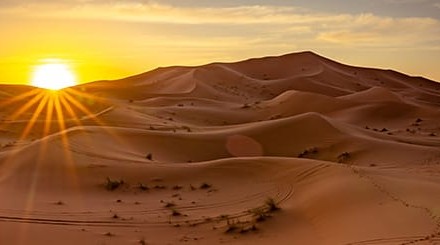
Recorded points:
(295, 149)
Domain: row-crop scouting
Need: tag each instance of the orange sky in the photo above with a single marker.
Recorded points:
(113, 39)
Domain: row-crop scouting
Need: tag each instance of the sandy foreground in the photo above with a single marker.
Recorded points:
(207, 155)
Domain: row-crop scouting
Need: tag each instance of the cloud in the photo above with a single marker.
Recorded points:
(406, 1)
(261, 23)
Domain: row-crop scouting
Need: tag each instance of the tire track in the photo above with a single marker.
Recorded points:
(281, 193)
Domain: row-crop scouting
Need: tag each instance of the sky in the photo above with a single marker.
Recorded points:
(108, 39)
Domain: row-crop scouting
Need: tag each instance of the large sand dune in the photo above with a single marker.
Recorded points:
(203, 155)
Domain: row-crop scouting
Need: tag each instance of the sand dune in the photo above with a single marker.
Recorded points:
(191, 155)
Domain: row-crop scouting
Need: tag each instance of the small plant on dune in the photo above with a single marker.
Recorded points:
(170, 204)
(259, 214)
(149, 156)
(142, 241)
(232, 226)
(239, 227)
(271, 205)
(344, 157)
(112, 185)
(205, 185)
(175, 212)
(223, 216)
(308, 152)
(143, 187)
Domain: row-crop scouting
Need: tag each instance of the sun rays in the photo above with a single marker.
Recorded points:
(42, 116)
(38, 114)
(41, 109)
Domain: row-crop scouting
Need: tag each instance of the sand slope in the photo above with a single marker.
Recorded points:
(191, 155)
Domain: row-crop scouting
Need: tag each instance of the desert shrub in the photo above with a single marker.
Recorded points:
(308, 152)
(170, 205)
(271, 205)
(205, 185)
(232, 226)
(344, 157)
(259, 214)
(149, 156)
(112, 185)
(143, 187)
(175, 212)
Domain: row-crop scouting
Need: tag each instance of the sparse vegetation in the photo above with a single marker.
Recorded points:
(260, 214)
(239, 227)
(175, 212)
(308, 152)
(143, 187)
(344, 157)
(112, 185)
(205, 185)
(231, 226)
(271, 205)
(149, 156)
(223, 216)
(170, 205)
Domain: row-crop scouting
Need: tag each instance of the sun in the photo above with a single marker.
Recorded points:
(54, 75)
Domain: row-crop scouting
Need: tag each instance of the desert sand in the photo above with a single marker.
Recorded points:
(295, 149)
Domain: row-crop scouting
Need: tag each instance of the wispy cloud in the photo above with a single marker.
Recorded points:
(361, 29)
